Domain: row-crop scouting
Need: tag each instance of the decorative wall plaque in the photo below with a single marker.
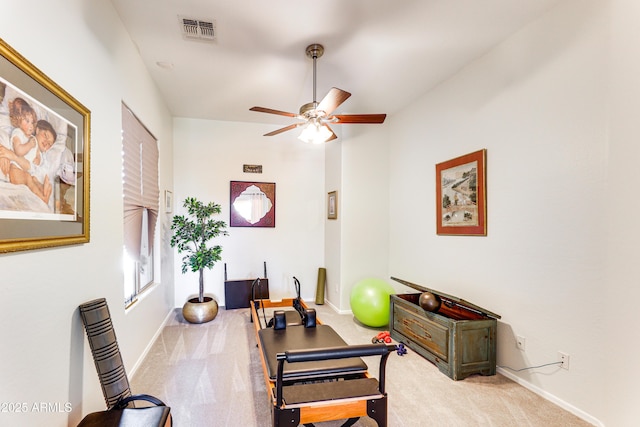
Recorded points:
(252, 168)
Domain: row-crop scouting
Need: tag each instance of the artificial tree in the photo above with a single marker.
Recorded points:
(191, 234)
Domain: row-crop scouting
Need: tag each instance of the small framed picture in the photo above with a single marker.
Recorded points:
(332, 205)
(168, 201)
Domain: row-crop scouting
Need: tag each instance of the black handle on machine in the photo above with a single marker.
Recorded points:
(256, 304)
(297, 302)
(294, 356)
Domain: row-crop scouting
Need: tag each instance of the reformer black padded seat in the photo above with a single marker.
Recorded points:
(274, 341)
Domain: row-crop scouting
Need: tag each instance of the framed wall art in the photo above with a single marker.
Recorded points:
(168, 201)
(461, 206)
(332, 205)
(253, 204)
(44, 159)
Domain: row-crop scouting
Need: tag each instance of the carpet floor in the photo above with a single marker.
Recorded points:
(211, 375)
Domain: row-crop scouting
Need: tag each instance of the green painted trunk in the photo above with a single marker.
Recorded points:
(459, 338)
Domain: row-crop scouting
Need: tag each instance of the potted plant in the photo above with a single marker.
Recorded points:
(191, 233)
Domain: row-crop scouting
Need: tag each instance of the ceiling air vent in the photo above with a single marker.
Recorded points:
(198, 29)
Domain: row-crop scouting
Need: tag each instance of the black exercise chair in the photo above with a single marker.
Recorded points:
(121, 410)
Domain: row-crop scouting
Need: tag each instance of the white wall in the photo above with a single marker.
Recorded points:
(558, 119)
(620, 290)
(356, 244)
(45, 357)
(364, 210)
(333, 227)
(210, 154)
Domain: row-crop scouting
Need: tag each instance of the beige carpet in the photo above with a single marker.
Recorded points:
(211, 375)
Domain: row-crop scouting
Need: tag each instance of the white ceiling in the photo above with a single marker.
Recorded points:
(386, 53)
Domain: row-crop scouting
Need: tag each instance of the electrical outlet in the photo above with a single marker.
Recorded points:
(520, 342)
(564, 359)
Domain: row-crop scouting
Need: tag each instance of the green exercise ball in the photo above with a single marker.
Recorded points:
(370, 302)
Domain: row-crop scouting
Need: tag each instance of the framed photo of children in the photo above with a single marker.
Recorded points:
(44, 159)
(461, 206)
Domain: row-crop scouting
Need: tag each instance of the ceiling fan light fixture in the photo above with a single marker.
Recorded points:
(317, 115)
(315, 133)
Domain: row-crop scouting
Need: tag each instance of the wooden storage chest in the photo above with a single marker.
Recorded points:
(460, 338)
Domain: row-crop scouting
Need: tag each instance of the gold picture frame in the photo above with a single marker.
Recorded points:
(44, 194)
(332, 205)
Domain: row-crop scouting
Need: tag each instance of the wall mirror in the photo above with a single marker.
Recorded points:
(252, 204)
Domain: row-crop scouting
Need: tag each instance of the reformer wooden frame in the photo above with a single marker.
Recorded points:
(374, 406)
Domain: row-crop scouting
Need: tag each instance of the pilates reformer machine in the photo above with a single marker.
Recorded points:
(310, 372)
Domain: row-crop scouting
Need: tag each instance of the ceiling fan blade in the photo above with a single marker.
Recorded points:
(332, 100)
(359, 118)
(272, 111)
(284, 129)
(333, 135)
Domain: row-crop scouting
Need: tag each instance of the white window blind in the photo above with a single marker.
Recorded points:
(141, 194)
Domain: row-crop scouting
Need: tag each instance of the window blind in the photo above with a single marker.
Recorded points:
(140, 182)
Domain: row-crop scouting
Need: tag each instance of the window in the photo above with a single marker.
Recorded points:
(141, 197)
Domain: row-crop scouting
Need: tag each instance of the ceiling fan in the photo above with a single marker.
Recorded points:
(316, 116)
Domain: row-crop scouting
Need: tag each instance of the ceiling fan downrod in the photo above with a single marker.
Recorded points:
(314, 52)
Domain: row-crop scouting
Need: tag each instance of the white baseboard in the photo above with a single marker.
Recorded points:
(334, 308)
(133, 370)
(550, 397)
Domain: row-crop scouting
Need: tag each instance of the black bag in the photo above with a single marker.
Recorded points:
(121, 415)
